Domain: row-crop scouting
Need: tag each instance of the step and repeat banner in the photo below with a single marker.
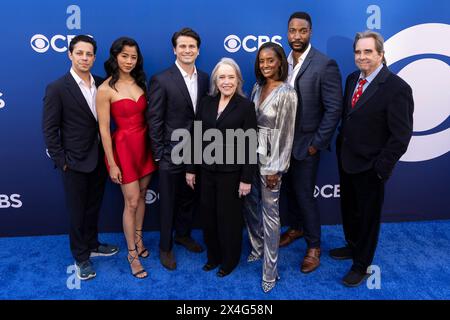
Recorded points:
(34, 40)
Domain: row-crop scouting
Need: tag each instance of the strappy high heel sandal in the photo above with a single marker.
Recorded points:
(130, 261)
(144, 253)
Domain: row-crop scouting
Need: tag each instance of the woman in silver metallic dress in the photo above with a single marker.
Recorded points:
(276, 105)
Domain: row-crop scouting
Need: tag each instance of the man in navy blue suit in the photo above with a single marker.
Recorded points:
(317, 80)
(376, 128)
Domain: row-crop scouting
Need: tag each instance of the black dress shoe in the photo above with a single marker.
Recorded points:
(167, 259)
(189, 243)
(209, 266)
(354, 278)
(343, 253)
(222, 273)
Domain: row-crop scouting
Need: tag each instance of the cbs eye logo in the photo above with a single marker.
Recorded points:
(39, 43)
(427, 71)
(151, 197)
(232, 43)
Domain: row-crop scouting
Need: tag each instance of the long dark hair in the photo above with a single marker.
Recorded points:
(112, 67)
(282, 73)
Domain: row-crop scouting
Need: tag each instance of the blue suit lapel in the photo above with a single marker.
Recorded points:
(304, 66)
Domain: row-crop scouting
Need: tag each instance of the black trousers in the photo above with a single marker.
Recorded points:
(299, 184)
(362, 196)
(176, 207)
(221, 212)
(84, 194)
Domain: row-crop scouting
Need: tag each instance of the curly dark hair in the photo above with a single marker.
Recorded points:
(112, 67)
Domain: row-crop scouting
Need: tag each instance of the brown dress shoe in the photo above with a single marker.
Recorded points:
(290, 236)
(311, 261)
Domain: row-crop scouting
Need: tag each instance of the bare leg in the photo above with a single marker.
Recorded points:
(131, 196)
(140, 214)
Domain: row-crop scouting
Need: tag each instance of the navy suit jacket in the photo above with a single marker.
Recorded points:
(170, 108)
(70, 129)
(319, 91)
(376, 132)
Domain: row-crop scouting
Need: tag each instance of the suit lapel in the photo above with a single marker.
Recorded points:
(200, 89)
(349, 93)
(370, 90)
(210, 111)
(304, 66)
(75, 91)
(179, 82)
(228, 109)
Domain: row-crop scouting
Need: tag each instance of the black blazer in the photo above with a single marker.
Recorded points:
(376, 132)
(70, 129)
(170, 108)
(238, 114)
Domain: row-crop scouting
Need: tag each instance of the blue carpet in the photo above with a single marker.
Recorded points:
(413, 257)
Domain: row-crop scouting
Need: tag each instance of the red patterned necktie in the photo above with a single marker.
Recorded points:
(358, 91)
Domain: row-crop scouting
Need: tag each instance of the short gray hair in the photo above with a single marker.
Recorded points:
(379, 41)
(213, 90)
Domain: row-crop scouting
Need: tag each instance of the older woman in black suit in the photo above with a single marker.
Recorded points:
(227, 165)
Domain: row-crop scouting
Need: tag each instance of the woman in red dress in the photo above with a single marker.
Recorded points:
(123, 98)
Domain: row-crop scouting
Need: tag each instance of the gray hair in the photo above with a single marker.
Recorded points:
(213, 90)
(379, 41)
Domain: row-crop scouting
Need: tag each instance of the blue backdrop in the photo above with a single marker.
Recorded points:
(35, 36)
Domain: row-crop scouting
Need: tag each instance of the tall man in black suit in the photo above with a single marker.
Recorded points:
(317, 81)
(174, 96)
(71, 135)
(376, 129)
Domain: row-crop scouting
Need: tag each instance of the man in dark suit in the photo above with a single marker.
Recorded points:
(71, 135)
(174, 95)
(376, 128)
(317, 81)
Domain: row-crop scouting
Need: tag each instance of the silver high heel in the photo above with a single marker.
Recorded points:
(268, 286)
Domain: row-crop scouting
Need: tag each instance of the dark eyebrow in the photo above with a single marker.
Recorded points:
(81, 51)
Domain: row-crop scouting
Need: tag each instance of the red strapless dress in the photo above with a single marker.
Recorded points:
(131, 145)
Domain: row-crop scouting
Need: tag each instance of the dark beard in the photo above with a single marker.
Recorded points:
(301, 50)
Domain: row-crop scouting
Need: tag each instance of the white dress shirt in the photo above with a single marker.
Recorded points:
(88, 93)
(191, 83)
(293, 71)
